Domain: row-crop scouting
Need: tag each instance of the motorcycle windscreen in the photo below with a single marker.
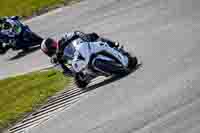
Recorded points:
(69, 53)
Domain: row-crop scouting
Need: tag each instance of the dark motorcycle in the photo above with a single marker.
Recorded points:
(25, 40)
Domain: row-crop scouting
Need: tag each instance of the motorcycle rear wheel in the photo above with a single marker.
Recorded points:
(132, 62)
(36, 38)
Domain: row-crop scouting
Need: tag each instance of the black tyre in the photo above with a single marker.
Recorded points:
(132, 64)
(133, 61)
(80, 83)
(109, 68)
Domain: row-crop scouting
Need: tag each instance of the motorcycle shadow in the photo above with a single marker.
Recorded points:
(112, 79)
(24, 53)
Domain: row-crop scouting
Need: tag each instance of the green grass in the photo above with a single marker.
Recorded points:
(22, 94)
(27, 7)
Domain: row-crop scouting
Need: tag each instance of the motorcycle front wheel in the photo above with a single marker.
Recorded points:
(80, 83)
(36, 40)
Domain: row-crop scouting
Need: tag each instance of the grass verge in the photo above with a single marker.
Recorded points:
(27, 8)
(22, 94)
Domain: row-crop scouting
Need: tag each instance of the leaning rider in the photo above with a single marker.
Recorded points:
(64, 50)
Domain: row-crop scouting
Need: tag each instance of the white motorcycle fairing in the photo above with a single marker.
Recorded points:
(84, 51)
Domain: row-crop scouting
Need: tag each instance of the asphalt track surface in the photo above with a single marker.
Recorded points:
(162, 96)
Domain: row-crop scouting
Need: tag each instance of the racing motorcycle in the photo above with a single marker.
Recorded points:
(103, 64)
(27, 40)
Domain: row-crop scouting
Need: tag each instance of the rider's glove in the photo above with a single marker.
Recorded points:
(54, 59)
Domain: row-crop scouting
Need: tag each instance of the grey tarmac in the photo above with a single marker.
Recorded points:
(162, 96)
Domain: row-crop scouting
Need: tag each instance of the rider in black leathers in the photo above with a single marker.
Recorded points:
(55, 49)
